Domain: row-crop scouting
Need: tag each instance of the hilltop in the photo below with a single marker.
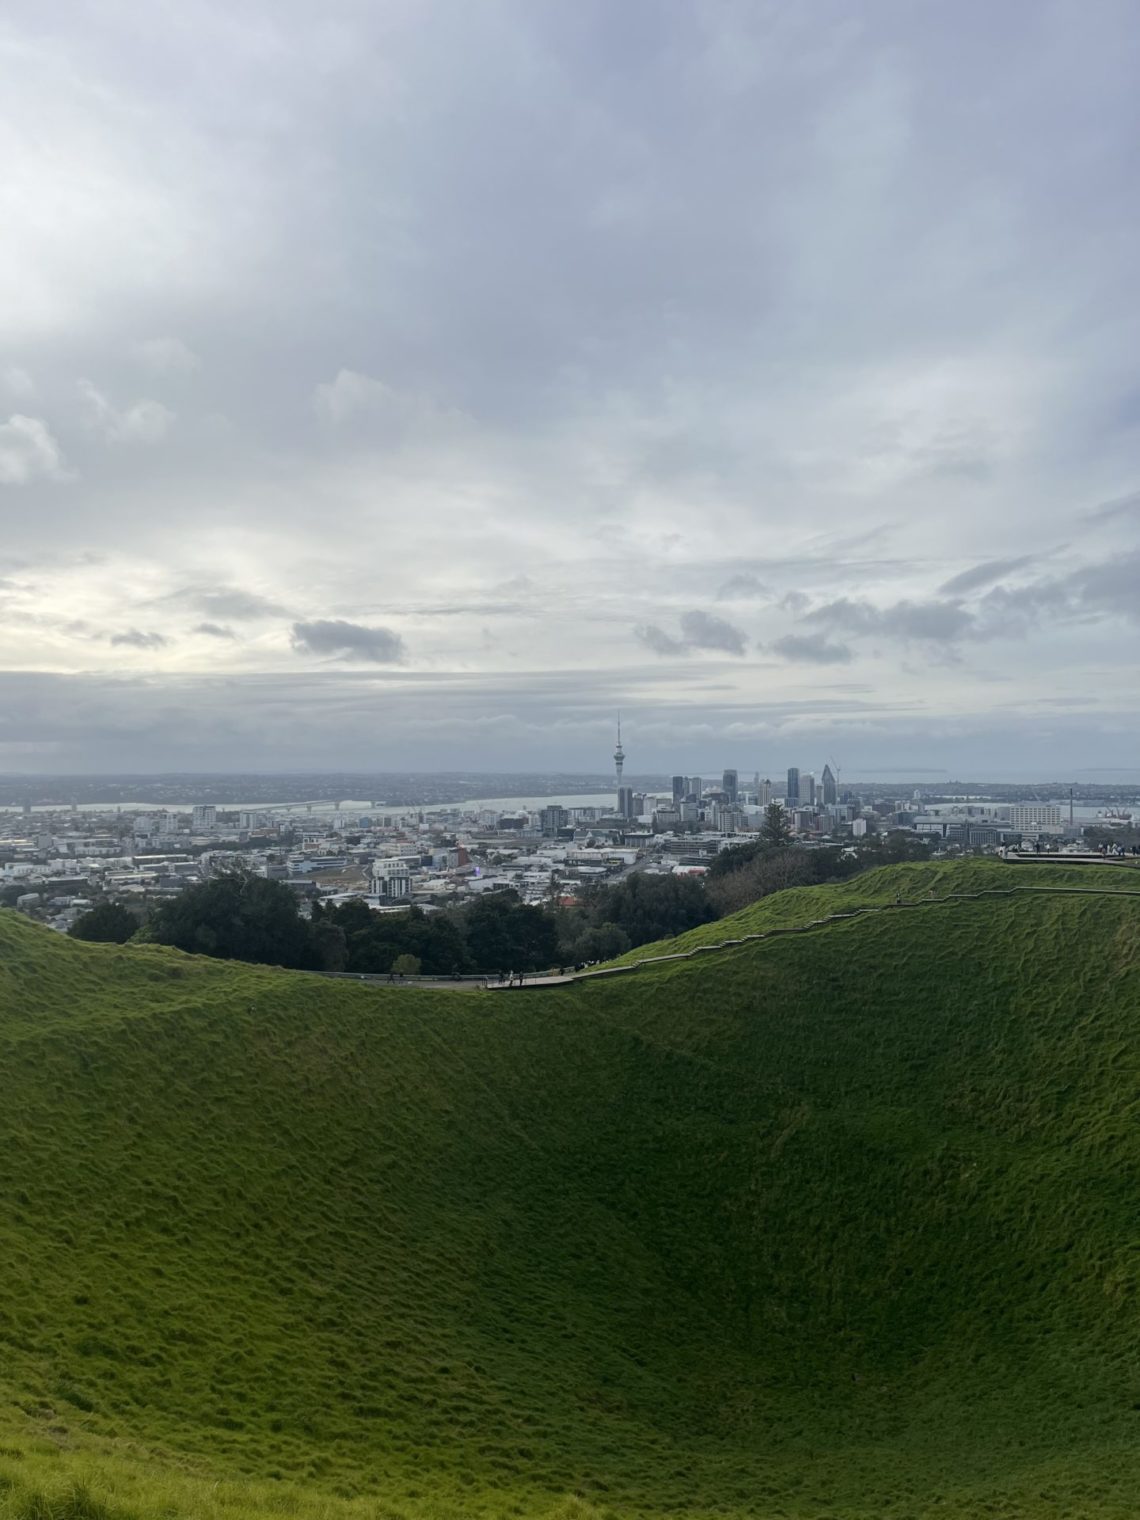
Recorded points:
(840, 1225)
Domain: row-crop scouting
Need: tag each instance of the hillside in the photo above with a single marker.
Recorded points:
(841, 1225)
(913, 882)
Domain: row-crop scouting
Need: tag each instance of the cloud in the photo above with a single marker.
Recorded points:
(143, 421)
(741, 587)
(352, 395)
(17, 382)
(811, 649)
(654, 400)
(214, 630)
(982, 575)
(1119, 506)
(348, 641)
(29, 452)
(699, 630)
(921, 621)
(1111, 588)
(658, 640)
(233, 602)
(166, 356)
(135, 638)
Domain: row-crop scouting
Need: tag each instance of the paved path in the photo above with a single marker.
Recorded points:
(557, 979)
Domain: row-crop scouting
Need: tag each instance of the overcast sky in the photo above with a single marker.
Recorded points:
(392, 384)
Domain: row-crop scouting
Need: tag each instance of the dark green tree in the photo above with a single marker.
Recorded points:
(375, 940)
(107, 922)
(776, 830)
(648, 907)
(504, 934)
(602, 943)
(330, 945)
(237, 916)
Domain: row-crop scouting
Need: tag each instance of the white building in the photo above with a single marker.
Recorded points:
(392, 878)
(1031, 818)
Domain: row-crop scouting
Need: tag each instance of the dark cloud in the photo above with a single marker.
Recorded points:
(812, 649)
(89, 723)
(1111, 588)
(982, 575)
(348, 641)
(920, 621)
(215, 630)
(699, 630)
(135, 638)
(658, 640)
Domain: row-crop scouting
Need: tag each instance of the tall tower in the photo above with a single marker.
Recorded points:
(619, 754)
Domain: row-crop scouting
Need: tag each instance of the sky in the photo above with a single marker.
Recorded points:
(420, 383)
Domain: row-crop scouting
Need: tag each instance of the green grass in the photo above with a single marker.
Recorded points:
(842, 1225)
(914, 882)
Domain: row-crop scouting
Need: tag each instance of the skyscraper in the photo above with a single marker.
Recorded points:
(807, 789)
(764, 793)
(793, 792)
(680, 790)
(625, 801)
(730, 785)
(830, 787)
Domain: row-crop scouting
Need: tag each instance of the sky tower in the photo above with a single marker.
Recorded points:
(619, 754)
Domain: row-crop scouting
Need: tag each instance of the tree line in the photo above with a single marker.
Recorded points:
(237, 915)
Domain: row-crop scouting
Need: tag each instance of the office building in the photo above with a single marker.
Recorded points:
(792, 794)
(625, 801)
(1028, 818)
(807, 789)
(730, 786)
(829, 786)
(680, 789)
(552, 820)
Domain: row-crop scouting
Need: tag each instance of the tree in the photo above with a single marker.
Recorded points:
(648, 907)
(775, 831)
(773, 871)
(603, 943)
(237, 916)
(504, 934)
(375, 940)
(330, 945)
(106, 923)
(406, 965)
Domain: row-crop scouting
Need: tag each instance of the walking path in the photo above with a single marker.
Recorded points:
(533, 979)
(558, 980)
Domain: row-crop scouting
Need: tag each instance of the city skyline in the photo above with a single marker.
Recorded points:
(423, 385)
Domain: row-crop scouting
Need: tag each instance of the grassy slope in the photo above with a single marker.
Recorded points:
(800, 905)
(832, 1226)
